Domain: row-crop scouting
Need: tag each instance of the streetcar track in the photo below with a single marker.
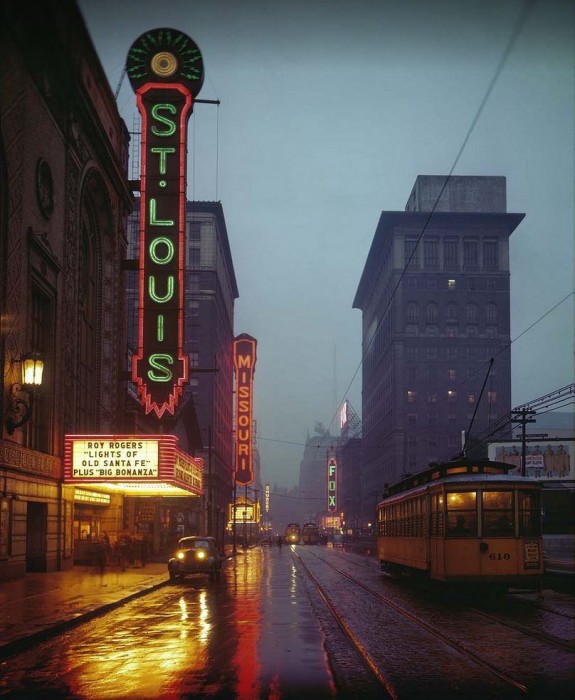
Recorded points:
(421, 623)
(538, 635)
(355, 642)
(567, 645)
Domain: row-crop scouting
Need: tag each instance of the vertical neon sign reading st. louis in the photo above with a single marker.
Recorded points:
(244, 363)
(166, 72)
(331, 485)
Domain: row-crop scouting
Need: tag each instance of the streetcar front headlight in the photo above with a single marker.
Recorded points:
(200, 554)
(180, 555)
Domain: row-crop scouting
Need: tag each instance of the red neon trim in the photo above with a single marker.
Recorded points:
(144, 392)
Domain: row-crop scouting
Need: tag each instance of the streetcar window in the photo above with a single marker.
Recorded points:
(461, 514)
(498, 516)
(436, 524)
(529, 513)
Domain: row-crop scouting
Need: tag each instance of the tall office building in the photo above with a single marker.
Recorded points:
(206, 410)
(210, 294)
(434, 294)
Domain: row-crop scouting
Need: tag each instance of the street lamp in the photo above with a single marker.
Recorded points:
(20, 409)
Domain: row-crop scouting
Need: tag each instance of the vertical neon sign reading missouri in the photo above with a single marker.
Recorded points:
(166, 72)
(244, 363)
(331, 485)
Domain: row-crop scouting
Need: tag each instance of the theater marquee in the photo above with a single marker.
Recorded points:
(139, 465)
(165, 69)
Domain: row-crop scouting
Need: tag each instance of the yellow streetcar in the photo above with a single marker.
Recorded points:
(463, 521)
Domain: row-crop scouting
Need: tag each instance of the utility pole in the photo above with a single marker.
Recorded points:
(210, 488)
(523, 420)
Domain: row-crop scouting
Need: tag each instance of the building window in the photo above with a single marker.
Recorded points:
(471, 398)
(451, 284)
(470, 257)
(87, 330)
(412, 418)
(37, 434)
(195, 230)
(432, 397)
(193, 256)
(452, 375)
(491, 397)
(412, 312)
(194, 359)
(410, 253)
(432, 313)
(491, 313)
(411, 396)
(430, 255)
(451, 396)
(450, 255)
(451, 312)
(490, 255)
(471, 313)
(451, 331)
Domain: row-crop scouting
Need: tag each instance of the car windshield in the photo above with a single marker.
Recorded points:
(195, 544)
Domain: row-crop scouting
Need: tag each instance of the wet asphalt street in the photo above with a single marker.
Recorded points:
(265, 630)
(251, 634)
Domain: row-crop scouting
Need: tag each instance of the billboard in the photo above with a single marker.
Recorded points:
(165, 69)
(550, 459)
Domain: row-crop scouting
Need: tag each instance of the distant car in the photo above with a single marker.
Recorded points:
(338, 541)
(195, 555)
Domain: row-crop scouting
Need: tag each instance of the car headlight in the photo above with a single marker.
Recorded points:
(201, 554)
(180, 555)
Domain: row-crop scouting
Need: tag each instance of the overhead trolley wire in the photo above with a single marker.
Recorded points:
(519, 25)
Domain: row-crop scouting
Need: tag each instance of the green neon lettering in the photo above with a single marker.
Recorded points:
(160, 330)
(163, 120)
(155, 361)
(152, 290)
(169, 253)
(153, 220)
(163, 153)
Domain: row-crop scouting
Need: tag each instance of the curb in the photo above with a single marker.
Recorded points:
(25, 643)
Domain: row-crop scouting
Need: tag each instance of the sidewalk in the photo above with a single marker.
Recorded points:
(38, 605)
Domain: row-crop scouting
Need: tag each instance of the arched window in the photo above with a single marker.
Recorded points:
(432, 313)
(412, 312)
(471, 313)
(451, 312)
(87, 326)
(491, 313)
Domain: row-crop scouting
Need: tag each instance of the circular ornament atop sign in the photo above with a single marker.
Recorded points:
(165, 56)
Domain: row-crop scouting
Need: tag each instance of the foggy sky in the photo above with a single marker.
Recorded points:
(329, 111)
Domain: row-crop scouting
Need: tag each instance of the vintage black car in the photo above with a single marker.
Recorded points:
(195, 555)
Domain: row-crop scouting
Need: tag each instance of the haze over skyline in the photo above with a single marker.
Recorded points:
(329, 111)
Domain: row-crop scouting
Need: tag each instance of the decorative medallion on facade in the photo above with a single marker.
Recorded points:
(44, 188)
(165, 69)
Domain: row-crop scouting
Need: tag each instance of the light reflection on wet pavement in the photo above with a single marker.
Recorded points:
(250, 635)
